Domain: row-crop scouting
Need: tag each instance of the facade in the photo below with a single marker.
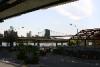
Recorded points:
(10, 34)
(88, 37)
(1, 35)
(10, 37)
(47, 33)
(29, 34)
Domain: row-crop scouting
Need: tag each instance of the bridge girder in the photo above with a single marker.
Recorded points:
(12, 8)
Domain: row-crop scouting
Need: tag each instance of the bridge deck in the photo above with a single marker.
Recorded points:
(11, 8)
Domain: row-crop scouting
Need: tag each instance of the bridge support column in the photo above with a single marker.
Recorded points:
(69, 42)
(61, 43)
(0, 43)
(7, 44)
(38, 43)
(56, 44)
(85, 41)
(34, 43)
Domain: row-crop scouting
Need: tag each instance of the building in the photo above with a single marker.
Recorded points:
(47, 33)
(29, 34)
(10, 34)
(10, 37)
(88, 37)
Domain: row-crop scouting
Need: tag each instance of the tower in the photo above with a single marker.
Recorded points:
(47, 33)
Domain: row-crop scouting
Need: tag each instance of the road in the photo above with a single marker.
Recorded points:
(65, 61)
(60, 61)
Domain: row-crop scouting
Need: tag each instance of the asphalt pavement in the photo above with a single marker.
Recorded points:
(66, 61)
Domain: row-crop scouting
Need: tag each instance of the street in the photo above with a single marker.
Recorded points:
(65, 61)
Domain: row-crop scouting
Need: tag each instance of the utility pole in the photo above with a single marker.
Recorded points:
(76, 32)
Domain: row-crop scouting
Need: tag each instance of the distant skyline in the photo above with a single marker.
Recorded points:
(83, 13)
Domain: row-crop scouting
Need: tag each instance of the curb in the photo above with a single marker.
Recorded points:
(8, 62)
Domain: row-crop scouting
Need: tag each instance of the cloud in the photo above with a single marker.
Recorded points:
(88, 7)
(63, 12)
(76, 10)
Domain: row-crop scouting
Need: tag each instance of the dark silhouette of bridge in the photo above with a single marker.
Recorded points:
(47, 33)
(47, 37)
(36, 40)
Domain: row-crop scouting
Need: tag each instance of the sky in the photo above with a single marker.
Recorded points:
(82, 14)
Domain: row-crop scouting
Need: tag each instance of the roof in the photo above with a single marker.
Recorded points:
(88, 34)
(12, 8)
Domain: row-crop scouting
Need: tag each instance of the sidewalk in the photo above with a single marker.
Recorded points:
(2, 64)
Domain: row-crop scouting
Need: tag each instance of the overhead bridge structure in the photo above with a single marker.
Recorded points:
(12, 8)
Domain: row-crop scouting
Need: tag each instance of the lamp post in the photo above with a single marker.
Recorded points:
(76, 33)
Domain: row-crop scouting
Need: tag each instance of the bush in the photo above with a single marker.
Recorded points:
(28, 53)
(32, 59)
(59, 50)
(21, 55)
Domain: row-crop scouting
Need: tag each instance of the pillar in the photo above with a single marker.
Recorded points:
(38, 44)
(34, 43)
(85, 43)
(69, 42)
(61, 43)
(0, 43)
(56, 44)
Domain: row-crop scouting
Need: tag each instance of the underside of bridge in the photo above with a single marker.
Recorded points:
(12, 8)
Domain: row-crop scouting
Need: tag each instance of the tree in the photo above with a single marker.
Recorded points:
(74, 42)
(1, 36)
(28, 53)
(10, 36)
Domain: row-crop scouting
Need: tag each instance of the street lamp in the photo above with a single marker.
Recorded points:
(75, 27)
(77, 31)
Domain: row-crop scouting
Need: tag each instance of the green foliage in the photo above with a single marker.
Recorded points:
(10, 36)
(34, 59)
(21, 55)
(58, 50)
(74, 42)
(28, 53)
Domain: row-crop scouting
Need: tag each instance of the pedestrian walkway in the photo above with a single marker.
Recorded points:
(2, 64)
